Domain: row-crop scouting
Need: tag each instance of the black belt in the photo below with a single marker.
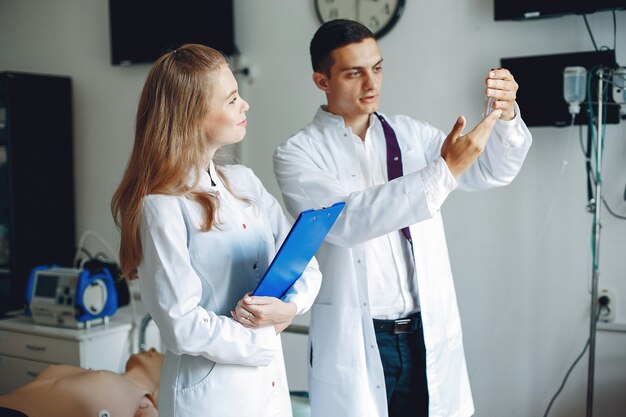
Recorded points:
(406, 325)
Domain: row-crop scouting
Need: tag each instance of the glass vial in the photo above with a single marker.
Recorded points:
(488, 105)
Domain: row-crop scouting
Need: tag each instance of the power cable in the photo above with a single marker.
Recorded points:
(614, 214)
(614, 31)
(590, 34)
(571, 368)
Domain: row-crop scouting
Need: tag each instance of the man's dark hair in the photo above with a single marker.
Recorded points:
(332, 35)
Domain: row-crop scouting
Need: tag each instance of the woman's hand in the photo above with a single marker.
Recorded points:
(254, 311)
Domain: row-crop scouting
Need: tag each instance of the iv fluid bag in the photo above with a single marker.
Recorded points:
(574, 84)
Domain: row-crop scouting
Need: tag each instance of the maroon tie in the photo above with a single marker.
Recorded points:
(394, 161)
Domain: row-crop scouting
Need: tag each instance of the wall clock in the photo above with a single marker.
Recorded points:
(380, 16)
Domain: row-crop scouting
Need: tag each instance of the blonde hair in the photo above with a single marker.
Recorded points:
(169, 143)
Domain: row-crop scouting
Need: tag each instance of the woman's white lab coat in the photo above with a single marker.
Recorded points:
(191, 280)
(317, 167)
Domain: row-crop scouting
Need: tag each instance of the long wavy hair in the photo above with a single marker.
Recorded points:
(169, 143)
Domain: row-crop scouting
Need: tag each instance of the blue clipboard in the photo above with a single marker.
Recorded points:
(305, 237)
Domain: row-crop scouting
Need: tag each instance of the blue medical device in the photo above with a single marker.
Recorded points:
(305, 237)
(70, 297)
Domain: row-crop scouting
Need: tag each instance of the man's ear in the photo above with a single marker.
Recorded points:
(321, 81)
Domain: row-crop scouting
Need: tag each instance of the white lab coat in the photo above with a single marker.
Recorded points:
(318, 166)
(191, 280)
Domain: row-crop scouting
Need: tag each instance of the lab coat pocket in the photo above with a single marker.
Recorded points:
(192, 371)
(234, 391)
(331, 358)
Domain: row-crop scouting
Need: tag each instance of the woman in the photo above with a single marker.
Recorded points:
(199, 238)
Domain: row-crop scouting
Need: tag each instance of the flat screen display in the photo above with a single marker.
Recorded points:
(540, 96)
(46, 285)
(142, 30)
(534, 9)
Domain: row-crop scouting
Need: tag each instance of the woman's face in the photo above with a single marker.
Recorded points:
(226, 122)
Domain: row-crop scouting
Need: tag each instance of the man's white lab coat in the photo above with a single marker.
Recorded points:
(317, 167)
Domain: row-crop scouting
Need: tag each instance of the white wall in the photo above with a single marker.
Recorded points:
(521, 254)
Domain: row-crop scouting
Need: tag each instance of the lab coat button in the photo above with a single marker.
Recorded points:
(104, 413)
(395, 158)
(255, 266)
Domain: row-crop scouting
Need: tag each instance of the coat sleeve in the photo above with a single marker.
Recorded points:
(503, 157)
(305, 182)
(305, 289)
(171, 291)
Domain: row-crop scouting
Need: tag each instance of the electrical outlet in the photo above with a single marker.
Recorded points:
(607, 304)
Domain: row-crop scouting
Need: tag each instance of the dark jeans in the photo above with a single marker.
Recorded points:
(404, 363)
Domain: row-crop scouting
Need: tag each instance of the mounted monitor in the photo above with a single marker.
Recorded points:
(535, 9)
(540, 96)
(142, 30)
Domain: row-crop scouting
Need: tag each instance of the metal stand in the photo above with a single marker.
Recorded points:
(596, 249)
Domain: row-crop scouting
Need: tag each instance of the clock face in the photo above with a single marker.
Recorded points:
(378, 15)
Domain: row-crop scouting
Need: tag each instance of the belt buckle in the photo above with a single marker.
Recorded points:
(402, 326)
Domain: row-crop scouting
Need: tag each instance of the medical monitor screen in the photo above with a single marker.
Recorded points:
(535, 9)
(540, 96)
(46, 285)
(143, 30)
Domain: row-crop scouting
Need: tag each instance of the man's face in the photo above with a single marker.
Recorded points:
(356, 77)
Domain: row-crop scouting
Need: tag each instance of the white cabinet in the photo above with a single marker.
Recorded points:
(26, 348)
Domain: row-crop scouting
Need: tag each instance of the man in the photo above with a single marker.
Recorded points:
(385, 335)
(64, 390)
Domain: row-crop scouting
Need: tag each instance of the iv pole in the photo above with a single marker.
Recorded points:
(596, 248)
